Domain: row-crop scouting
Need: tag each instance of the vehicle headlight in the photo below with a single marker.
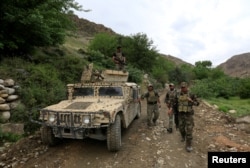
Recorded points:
(52, 117)
(86, 119)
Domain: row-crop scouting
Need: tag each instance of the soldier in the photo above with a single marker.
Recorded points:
(153, 105)
(171, 103)
(119, 59)
(186, 121)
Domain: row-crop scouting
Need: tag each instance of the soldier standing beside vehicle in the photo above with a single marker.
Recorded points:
(119, 59)
(171, 103)
(153, 105)
(186, 121)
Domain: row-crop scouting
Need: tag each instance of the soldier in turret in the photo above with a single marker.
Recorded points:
(119, 59)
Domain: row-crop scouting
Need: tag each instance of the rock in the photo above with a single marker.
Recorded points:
(2, 100)
(211, 146)
(9, 82)
(4, 95)
(215, 107)
(10, 90)
(1, 81)
(245, 119)
(232, 111)
(4, 107)
(3, 91)
(12, 97)
(5, 116)
(1, 87)
(245, 127)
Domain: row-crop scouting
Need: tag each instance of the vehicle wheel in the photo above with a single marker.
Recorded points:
(138, 109)
(114, 135)
(47, 136)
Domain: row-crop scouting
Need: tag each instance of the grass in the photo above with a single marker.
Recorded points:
(241, 106)
(9, 137)
(76, 43)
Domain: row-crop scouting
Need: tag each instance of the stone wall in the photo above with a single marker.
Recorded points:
(9, 100)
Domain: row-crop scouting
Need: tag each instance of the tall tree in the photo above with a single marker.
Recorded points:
(142, 54)
(202, 69)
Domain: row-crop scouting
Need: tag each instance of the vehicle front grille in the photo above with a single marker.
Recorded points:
(72, 119)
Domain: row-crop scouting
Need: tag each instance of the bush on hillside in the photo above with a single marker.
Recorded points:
(244, 89)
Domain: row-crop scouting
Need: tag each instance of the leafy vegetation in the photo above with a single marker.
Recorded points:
(233, 103)
(9, 137)
(29, 24)
(42, 67)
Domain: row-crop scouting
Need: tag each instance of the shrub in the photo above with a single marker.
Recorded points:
(244, 89)
(135, 75)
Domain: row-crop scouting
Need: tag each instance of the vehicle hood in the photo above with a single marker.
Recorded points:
(87, 105)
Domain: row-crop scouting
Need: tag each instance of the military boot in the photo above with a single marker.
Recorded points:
(154, 121)
(170, 130)
(183, 137)
(149, 123)
(189, 147)
(176, 127)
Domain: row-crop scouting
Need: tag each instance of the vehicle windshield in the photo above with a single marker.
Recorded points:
(110, 91)
(85, 91)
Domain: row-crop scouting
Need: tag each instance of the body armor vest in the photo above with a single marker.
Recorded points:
(152, 97)
(172, 95)
(183, 104)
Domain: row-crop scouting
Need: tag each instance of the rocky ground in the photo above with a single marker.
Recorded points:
(142, 146)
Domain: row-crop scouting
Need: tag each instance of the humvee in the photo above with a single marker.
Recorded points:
(96, 109)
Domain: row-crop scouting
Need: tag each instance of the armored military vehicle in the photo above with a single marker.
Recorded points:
(98, 107)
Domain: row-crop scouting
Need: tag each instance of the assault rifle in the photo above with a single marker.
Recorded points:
(120, 61)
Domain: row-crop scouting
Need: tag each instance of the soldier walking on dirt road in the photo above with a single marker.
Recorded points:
(186, 112)
(171, 103)
(153, 105)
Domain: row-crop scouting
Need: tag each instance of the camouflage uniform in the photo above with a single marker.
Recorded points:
(171, 102)
(152, 106)
(186, 112)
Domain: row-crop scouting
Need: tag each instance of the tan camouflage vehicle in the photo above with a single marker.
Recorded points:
(97, 108)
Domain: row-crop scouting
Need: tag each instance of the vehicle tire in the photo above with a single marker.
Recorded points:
(138, 109)
(47, 136)
(114, 135)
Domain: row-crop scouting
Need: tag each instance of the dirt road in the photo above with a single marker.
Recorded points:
(141, 146)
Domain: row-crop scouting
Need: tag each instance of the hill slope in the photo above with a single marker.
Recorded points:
(237, 66)
(87, 29)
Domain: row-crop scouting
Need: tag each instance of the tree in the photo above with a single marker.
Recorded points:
(202, 69)
(140, 51)
(34, 23)
(177, 75)
(244, 89)
(161, 68)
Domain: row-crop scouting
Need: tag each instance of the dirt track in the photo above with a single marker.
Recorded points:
(141, 146)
